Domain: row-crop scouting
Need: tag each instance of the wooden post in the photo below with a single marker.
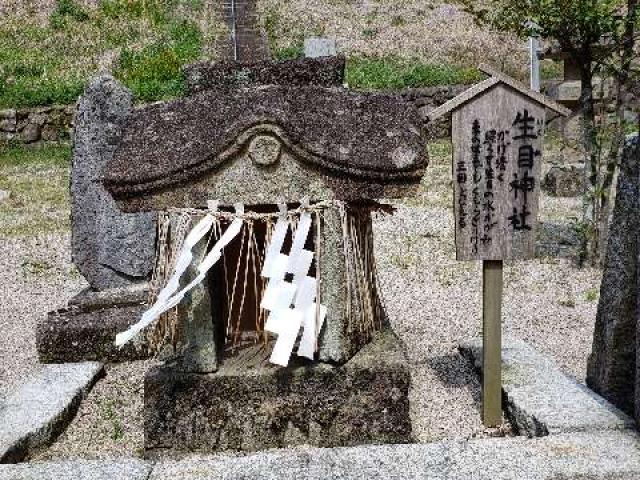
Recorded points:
(492, 342)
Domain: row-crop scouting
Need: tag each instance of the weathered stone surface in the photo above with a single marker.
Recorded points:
(40, 410)
(428, 98)
(49, 133)
(319, 47)
(200, 349)
(113, 469)
(322, 72)
(111, 249)
(541, 400)
(250, 405)
(609, 456)
(86, 330)
(5, 195)
(30, 133)
(348, 136)
(564, 181)
(8, 120)
(612, 364)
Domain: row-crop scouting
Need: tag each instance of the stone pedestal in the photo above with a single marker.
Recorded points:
(249, 405)
(86, 329)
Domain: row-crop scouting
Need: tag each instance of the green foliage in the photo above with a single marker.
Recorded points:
(440, 152)
(30, 92)
(591, 295)
(398, 21)
(289, 53)
(38, 180)
(571, 22)
(110, 415)
(551, 70)
(371, 73)
(14, 155)
(155, 71)
(150, 40)
(65, 11)
(31, 266)
(370, 32)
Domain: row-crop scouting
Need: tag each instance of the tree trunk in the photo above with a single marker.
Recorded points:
(621, 78)
(592, 154)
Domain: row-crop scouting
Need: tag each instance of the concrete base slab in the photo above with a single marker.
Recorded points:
(612, 456)
(252, 406)
(120, 469)
(541, 400)
(87, 329)
(582, 456)
(38, 412)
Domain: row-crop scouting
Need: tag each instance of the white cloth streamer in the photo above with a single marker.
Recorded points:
(167, 298)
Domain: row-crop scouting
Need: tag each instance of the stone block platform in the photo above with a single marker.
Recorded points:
(249, 405)
(86, 329)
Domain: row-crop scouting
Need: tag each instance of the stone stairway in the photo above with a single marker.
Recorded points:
(245, 42)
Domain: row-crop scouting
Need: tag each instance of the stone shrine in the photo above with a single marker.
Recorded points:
(328, 151)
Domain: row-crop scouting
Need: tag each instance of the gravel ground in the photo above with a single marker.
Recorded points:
(110, 421)
(433, 302)
(36, 276)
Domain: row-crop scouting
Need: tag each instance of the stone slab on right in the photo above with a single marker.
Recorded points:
(541, 399)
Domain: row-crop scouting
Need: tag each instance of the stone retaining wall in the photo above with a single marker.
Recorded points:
(36, 125)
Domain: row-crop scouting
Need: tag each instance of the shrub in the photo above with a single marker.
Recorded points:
(67, 9)
(155, 72)
(30, 92)
(289, 53)
(371, 73)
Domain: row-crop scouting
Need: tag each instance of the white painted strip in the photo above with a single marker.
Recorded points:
(291, 322)
(166, 302)
(306, 293)
(277, 240)
(278, 268)
(301, 266)
(299, 240)
(278, 295)
(307, 345)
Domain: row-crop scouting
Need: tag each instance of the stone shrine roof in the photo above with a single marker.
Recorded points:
(359, 136)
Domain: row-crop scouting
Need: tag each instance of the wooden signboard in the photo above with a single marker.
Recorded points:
(497, 133)
(497, 157)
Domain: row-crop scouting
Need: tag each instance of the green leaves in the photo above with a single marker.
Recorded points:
(393, 72)
(155, 72)
(67, 10)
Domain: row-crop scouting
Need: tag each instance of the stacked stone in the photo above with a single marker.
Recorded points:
(36, 125)
(613, 365)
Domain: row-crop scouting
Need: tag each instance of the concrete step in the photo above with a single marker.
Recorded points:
(40, 410)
